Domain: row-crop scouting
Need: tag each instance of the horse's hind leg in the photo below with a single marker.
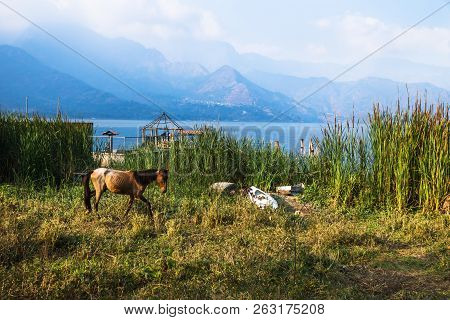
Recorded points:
(142, 198)
(98, 195)
(100, 187)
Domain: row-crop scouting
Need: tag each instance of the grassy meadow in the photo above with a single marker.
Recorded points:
(371, 224)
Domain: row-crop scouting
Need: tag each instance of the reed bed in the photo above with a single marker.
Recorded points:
(343, 162)
(42, 151)
(215, 156)
(398, 159)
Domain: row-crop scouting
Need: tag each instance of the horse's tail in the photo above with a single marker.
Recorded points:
(87, 190)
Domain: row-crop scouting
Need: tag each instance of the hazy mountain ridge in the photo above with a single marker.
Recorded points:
(227, 87)
(214, 54)
(44, 85)
(26, 76)
(186, 89)
(144, 69)
(346, 97)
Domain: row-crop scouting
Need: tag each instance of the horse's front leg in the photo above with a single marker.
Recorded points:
(142, 198)
(130, 203)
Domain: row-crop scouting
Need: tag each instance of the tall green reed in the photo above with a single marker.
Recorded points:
(343, 160)
(43, 151)
(214, 156)
(402, 160)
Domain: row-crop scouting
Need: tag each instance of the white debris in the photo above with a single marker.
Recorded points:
(261, 199)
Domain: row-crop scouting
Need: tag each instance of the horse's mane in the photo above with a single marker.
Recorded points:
(146, 176)
(146, 172)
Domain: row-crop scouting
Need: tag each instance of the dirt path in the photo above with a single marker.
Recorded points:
(292, 204)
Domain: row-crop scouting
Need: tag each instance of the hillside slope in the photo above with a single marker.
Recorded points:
(23, 75)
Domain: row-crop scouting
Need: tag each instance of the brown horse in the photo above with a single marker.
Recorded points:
(132, 183)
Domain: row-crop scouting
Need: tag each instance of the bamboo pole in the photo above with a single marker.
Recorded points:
(110, 144)
(311, 147)
(276, 144)
(58, 107)
(26, 106)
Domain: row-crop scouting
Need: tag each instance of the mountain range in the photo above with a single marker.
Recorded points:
(347, 97)
(118, 78)
(23, 75)
(224, 94)
(214, 54)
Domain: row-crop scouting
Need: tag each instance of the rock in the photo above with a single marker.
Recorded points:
(446, 205)
(287, 190)
(224, 187)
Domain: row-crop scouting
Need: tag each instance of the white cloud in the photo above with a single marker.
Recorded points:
(342, 39)
(174, 10)
(260, 48)
(209, 26)
(163, 19)
(316, 50)
(322, 23)
(359, 35)
(10, 22)
(136, 19)
(363, 33)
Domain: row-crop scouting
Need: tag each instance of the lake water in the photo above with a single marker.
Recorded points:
(288, 134)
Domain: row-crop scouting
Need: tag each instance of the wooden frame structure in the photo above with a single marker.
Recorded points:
(110, 134)
(161, 131)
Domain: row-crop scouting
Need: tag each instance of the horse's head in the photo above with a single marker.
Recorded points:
(144, 177)
(161, 179)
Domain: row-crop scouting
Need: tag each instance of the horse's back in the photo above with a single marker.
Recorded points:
(99, 172)
(104, 172)
(121, 182)
(98, 178)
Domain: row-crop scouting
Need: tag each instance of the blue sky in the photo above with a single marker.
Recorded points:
(283, 27)
(317, 31)
(279, 21)
(286, 11)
